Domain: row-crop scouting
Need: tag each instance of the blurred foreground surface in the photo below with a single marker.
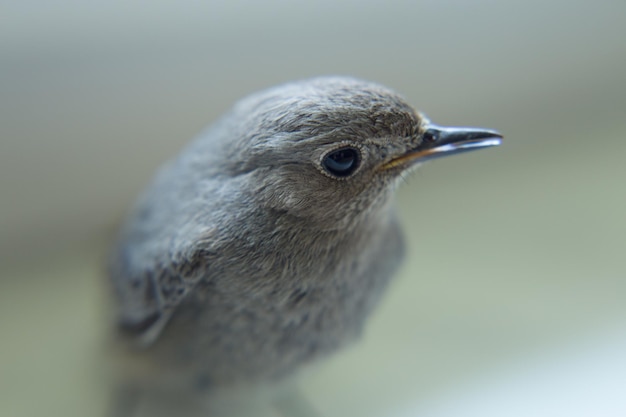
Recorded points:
(512, 299)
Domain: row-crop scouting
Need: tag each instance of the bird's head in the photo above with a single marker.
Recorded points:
(331, 150)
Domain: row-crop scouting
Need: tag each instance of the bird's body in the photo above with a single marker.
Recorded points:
(267, 242)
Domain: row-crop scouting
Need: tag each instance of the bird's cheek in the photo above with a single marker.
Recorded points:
(288, 195)
(291, 202)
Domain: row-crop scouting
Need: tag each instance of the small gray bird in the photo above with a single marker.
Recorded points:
(268, 240)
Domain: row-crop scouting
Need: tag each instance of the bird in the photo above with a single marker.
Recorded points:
(266, 243)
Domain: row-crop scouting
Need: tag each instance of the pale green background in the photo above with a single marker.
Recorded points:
(516, 253)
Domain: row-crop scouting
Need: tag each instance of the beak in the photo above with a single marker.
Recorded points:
(441, 141)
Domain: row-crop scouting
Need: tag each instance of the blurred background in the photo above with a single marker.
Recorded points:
(512, 300)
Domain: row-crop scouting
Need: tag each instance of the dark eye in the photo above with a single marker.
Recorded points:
(342, 162)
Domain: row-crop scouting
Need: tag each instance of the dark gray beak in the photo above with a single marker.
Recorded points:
(439, 141)
(443, 141)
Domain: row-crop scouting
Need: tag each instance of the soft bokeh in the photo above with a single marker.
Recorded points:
(516, 277)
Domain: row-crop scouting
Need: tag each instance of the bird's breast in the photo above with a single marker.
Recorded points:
(279, 309)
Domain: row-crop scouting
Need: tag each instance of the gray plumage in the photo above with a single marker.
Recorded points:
(247, 258)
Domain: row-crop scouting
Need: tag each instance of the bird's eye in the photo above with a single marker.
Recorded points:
(342, 162)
